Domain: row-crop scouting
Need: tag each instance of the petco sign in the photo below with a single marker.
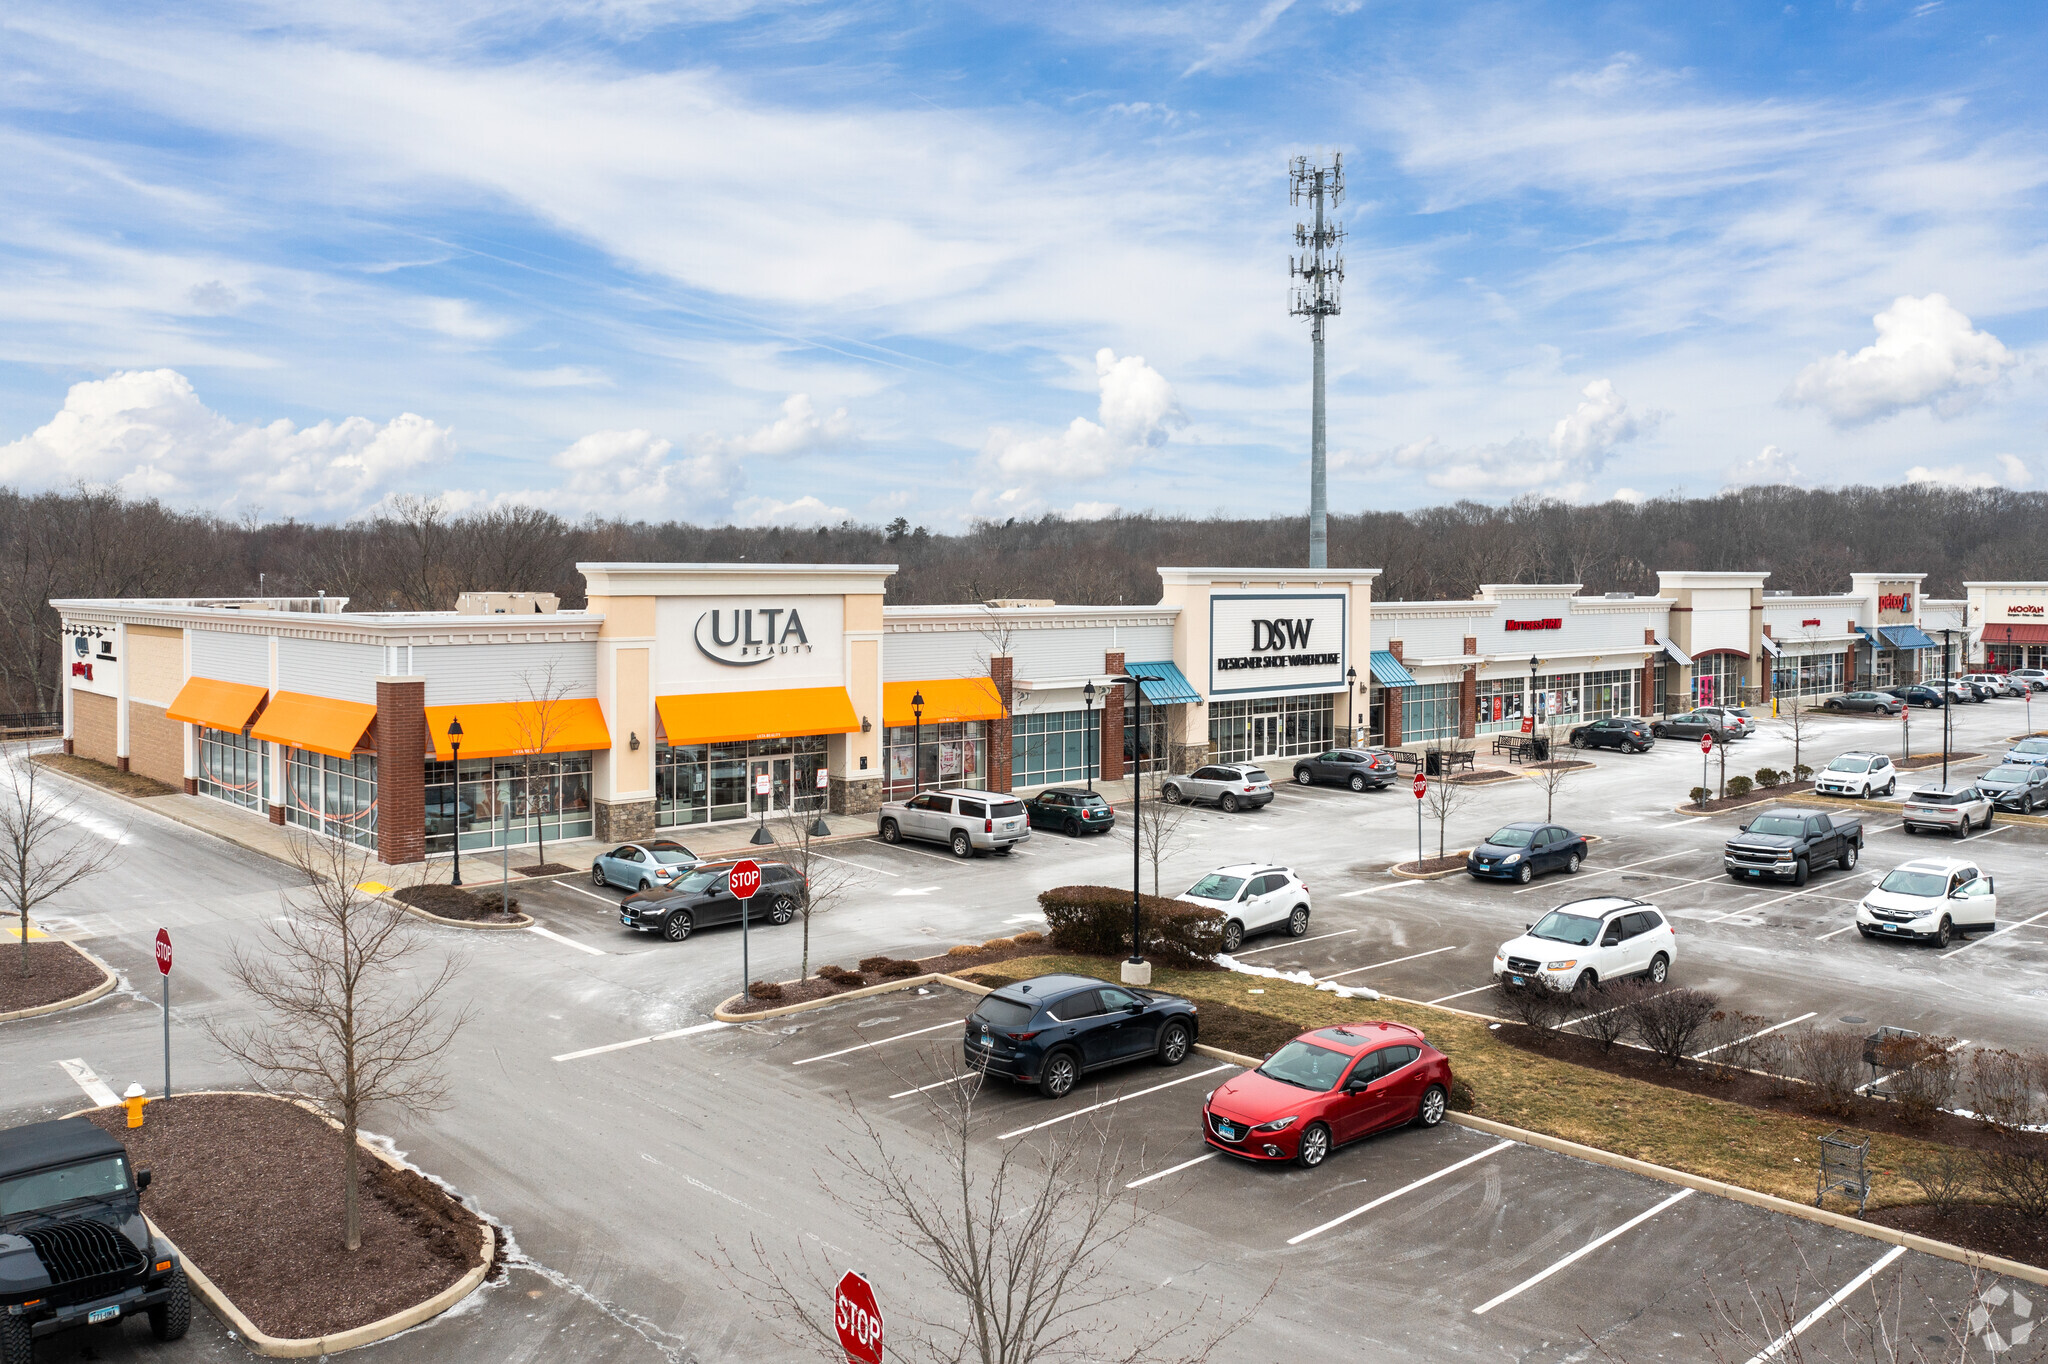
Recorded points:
(1901, 602)
(1261, 643)
(1547, 623)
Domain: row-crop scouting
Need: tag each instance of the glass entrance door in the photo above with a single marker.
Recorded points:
(1265, 735)
(776, 799)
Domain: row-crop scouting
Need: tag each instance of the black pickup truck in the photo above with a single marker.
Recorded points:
(1786, 845)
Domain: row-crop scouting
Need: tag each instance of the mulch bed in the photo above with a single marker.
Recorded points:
(453, 902)
(251, 1189)
(1560, 765)
(1994, 1231)
(1486, 776)
(99, 774)
(1757, 796)
(1921, 761)
(1454, 862)
(544, 869)
(821, 987)
(57, 970)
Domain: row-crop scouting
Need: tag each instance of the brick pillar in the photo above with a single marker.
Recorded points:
(401, 770)
(1651, 705)
(1392, 704)
(1113, 721)
(1849, 661)
(1001, 670)
(1468, 694)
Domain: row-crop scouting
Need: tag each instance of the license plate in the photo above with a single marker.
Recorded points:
(1754, 872)
(985, 1040)
(1226, 1131)
(1891, 928)
(100, 1314)
(1518, 980)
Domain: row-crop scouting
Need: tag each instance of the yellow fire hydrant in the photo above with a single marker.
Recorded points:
(135, 1099)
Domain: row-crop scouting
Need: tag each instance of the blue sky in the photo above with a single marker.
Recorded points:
(787, 261)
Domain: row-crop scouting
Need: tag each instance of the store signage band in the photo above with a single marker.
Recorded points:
(744, 637)
(1547, 623)
(1265, 643)
(1895, 601)
(2024, 611)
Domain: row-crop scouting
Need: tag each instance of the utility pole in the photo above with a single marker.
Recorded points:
(1320, 268)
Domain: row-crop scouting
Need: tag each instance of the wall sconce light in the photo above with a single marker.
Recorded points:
(633, 740)
(864, 725)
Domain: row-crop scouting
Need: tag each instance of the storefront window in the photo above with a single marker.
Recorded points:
(951, 754)
(1808, 674)
(1612, 692)
(1557, 698)
(332, 796)
(1145, 749)
(1376, 717)
(1428, 712)
(702, 783)
(1717, 680)
(1051, 747)
(1500, 704)
(234, 768)
(508, 802)
(1277, 727)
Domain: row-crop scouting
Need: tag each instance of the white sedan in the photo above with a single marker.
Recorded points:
(1588, 941)
(1930, 899)
(1253, 897)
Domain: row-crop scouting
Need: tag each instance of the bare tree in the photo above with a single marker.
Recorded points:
(1443, 797)
(43, 852)
(1025, 1243)
(542, 717)
(1550, 776)
(1158, 826)
(825, 879)
(343, 1029)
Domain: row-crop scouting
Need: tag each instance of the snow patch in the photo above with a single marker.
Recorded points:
(1297, 977)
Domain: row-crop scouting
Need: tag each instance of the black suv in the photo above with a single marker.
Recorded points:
(1073, 810)
(701, 899)
(1628, 733)
(1358, 768)
(1048, 1030)
(74, 1248)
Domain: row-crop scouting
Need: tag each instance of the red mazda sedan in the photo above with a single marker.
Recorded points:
(1328, 1087)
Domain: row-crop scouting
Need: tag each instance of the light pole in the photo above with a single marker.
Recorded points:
(1948, 703)
(1136, 967)
(1534, 664)
(455, 761)
(1350, 687)
(1088, 703)
(916, 742)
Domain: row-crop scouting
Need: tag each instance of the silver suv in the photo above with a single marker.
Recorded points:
(966, 821)
(1232, 786)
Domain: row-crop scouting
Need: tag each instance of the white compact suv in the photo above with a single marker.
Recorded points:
(1931, 899)
(1587, 941)
(1857, 774)
(1253, 897)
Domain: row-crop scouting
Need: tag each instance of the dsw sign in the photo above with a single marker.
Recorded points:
(1272, 635)
(746, 636)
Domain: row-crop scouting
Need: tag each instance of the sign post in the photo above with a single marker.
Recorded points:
(163, 966)
(857, 1319)
(743, 880)
(1421, 790)
(1706, 751)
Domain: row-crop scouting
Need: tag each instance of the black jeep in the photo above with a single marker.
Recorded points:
(74, 1249)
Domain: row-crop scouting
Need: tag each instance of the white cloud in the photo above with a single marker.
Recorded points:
(459, 318)
(1092, 511)
(147, 433)
(1951, 476)
(1926, 355)
(630, 474)
(1560, 465)
(1138, 411)
(797, 430)
(2014, 471)
(1629, 495)
(1769, 465)
(803, 511)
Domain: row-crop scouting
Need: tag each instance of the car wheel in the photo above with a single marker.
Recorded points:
(1061, 1070)
(1830, 705)
(1578, 741)
(2027, 803)
(1172, 794)
(1297, 922)
(1434, 1102)
(1525, 873)
(783, 910)
(1314, 1148)
(1910, 828)
(1357, 782)
(1943, 932)
(890, 832)
(1800, 871)
(645, 885)
(1987, 820)
(1073, 829)
(1229, 804)
(1587, 983)
(171, 1318)
(1233, 936)
(1657, 732)
(1173, 1044)
(1572, 863)
(597, 875)
(1660, 969)
(1891, 786)
(1301, 776)
(963, 846)
(1847, 861)
(676, 926)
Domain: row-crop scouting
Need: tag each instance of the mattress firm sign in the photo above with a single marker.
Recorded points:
(1274, 642)
(744, 643)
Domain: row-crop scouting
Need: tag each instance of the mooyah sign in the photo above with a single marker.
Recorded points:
(745, 636)
(2030, 611)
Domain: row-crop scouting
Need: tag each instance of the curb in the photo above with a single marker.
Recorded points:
(527, 920)
(722, 1012)
(107, 982)
(1458, 870)
(305, 1347)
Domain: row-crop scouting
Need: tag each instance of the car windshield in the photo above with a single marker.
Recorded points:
(2031, 746)
(700, 880)
(1778, 824)
(1849, 765)
(1510, 837)
(1926, 884)
(1004, 1013)
(1217, 886)
(2008, 775)
(1090, 801)
(1310, 1067)
(672, 854)
(48, 1188)
(1938, 797)
(1558, 926)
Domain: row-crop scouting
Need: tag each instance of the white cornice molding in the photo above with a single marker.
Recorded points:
(1432, 610)
(1264, 577)
(577, 628)
(913, 620)
(734, 580)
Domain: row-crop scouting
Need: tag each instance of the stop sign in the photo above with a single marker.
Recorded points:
(744, 878)
(1421, 785)
(163, 950)
(858, 1319)
(1706, 743)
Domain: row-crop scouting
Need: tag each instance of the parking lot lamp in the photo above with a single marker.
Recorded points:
(1534, 664)
(1350, 686)
(1135, 971)
(1949, 707)
(1088, 703)
(916, 742)
(455, 761)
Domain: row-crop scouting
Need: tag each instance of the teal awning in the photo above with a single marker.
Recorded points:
(1389, 671)
(1906, 636)
(1172, 687)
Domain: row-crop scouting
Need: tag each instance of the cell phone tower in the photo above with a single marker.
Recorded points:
(1320, 270)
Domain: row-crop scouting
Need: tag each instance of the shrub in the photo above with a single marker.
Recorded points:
(453, 902)
(1612, 1021)
(1831, 1061)
(1800, 771)
(1670, 1022)
(1923, 1075)
(1944, 1175)
(965, 949)
(1027, 938)
(1723, 1042)
(840, 976)
(1738, 786)
(765, 989)
(1538, 1006)
(999, 944)
(1768, 777)
(898, 969)
(2005, 1088)
(873, 963)
(2015, 1172)
(1461, 1099)
(1096, 921)
(1698, 795)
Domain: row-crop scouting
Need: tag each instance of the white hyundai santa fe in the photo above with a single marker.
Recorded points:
(1588, 941)
(1930, 899)
(1253, 896)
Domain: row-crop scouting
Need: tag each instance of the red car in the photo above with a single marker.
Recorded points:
(1328, 1087)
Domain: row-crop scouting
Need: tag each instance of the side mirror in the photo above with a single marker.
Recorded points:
(141, 1180)
(1528, 928)
(1355, 1086)
(1611, 940)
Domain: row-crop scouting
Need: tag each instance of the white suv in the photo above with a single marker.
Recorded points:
(1588, 941)
(1857, 774)
(1253, 897)
(1931, 899)
(967, 821)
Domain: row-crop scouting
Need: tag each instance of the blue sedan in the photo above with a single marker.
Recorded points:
(642, 866)
(1516, 852)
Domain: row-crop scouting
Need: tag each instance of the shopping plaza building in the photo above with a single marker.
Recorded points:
(692, 694)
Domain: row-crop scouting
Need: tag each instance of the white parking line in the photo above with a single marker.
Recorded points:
(1761, 904)
(643, 1041)
(95, 1088)
(1587, 1018)
(1608, 871)
(862, 865)
(880, 1041)
(1758, 1033)
(570, 885)
(1111, 1103)
(1184, 1165)
(1581, 1253)
(567, 942)
(1405, 1188)
(1777, 1347)
(1296, 942)
(1996, 932)
(1395, 962)
(1836, 932)
(1461, 994)
(949, 1080)
(898, 847)
(1374, 890)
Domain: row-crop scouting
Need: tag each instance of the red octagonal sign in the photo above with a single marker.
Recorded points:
(744, 878)
(1706, 743)
(1421, 785)
(163, 950)
(858, 1319)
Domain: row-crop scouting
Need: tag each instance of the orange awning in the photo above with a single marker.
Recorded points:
(217, 705)
(318, 724)
(729, 717)
(503, 729)
(945, 699)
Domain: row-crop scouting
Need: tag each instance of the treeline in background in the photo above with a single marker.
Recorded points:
(416, 556)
